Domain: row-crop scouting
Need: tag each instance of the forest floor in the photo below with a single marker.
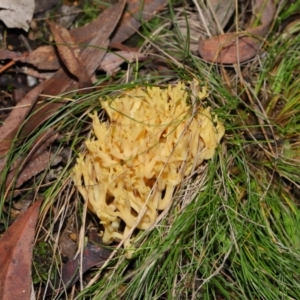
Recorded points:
(150, 150)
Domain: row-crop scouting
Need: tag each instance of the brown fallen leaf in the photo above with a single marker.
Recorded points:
(43, 58)
(69, 53)
(42, 143)
(105, 24)
(135, 11)
(16, 246)
(36, 161)
(66, 244)
(113, 60)
(36, 165)
(59, 83)
(11, 125)
(93, 255)
(236, 47)
(92, 55)
(6, 54)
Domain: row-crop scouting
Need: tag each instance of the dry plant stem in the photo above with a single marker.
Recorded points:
(81, 243)
(213, 12)
(192, 188)
(48, 206)
(7, 66)
(261, 121)
(225, 209)
(237, 65)
(258, 112)
(59, 218)
(168, 55)
(216, 272)
(202, 18)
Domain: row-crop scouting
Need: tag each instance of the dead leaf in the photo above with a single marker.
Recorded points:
(43, 58)
(93, 255)
(104, 25)
(67, 246)
(17, 13)
(136, 10)
(59, 83)
(69, 53)
(233, 47)
(91, 57)
(113, 60)
(36, 165)
(16, 246)
(12, 123)
(36, 161)
(6, 54)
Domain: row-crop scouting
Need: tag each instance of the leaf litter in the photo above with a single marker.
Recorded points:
(16, 246)
(237, 47)
(80, 61)
(220, 49)
(17, 13)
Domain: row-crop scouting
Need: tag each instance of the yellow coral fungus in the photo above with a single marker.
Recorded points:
(136, 158)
